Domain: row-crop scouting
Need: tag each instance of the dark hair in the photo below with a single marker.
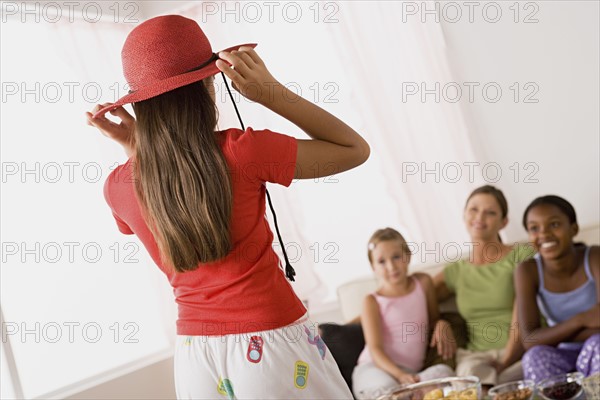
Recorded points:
(497, 193)
(563, 205)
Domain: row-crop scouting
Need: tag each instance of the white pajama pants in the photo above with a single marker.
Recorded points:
(285, 363)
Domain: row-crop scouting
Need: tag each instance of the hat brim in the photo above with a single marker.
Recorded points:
(166, 85)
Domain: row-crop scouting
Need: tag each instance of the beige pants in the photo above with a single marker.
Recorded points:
(481, 364)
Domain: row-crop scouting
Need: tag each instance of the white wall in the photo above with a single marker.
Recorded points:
(560, 134)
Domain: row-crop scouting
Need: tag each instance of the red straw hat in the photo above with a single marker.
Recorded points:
(162, 54)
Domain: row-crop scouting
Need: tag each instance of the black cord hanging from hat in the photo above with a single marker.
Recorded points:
(289, 270)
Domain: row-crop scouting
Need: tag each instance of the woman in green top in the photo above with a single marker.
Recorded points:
(485, 296)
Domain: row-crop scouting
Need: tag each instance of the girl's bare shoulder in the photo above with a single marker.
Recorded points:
(423, 278)
(595, 261)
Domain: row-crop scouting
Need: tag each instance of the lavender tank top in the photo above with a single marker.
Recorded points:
(405, 321)
(559, 307)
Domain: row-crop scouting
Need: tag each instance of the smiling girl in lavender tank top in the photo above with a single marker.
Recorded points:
(562, 283)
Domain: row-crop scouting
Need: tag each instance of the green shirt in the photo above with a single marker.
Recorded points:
(485, 296)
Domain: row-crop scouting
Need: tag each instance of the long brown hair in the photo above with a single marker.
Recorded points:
(182, 177)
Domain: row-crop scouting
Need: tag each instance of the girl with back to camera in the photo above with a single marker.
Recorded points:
(399, 320)
(562, 283)
(195, 197)
(485, 295)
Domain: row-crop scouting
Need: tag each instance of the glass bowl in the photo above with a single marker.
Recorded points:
(459, 388)
(516, 390)
(591, 386)
(561, 387)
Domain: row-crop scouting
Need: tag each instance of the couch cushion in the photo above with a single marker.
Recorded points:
(345, 342)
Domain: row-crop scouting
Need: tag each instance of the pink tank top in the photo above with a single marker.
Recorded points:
(405, 329)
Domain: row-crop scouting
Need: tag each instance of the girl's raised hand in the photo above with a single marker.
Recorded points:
(443, 339)
(122, 133)
(248, 73)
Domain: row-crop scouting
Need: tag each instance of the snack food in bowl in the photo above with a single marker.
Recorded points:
(591, 386)
(517, 390)
(561, 387)
(459, 388)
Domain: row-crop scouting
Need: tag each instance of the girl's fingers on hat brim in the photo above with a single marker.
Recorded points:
(236, 61)
(123, 114)
(89, 118)
(227, 70)
(97, 108)
(246, 58)
(252, 53)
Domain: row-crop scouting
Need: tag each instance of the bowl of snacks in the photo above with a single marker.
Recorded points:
(561, 387)
(517, 390)
(459, 388)
(591, 386)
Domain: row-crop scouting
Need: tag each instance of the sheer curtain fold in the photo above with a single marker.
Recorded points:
(94, 52)
(386, 56)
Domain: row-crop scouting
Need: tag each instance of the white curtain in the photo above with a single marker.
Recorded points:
(74, 317)
(385, 58)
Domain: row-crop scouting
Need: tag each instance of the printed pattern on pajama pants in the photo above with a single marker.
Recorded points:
(541, 362)
(291, 362)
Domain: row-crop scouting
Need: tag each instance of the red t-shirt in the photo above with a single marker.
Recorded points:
(247, 290)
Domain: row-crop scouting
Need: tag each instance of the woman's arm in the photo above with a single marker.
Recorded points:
(441, 289)
(335, 146)
(432, 305)
(440, 331)
(514, 347)
(532, 334)
(371, 323)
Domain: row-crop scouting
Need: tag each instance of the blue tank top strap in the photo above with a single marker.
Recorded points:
(538, 263)
(586, 264)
